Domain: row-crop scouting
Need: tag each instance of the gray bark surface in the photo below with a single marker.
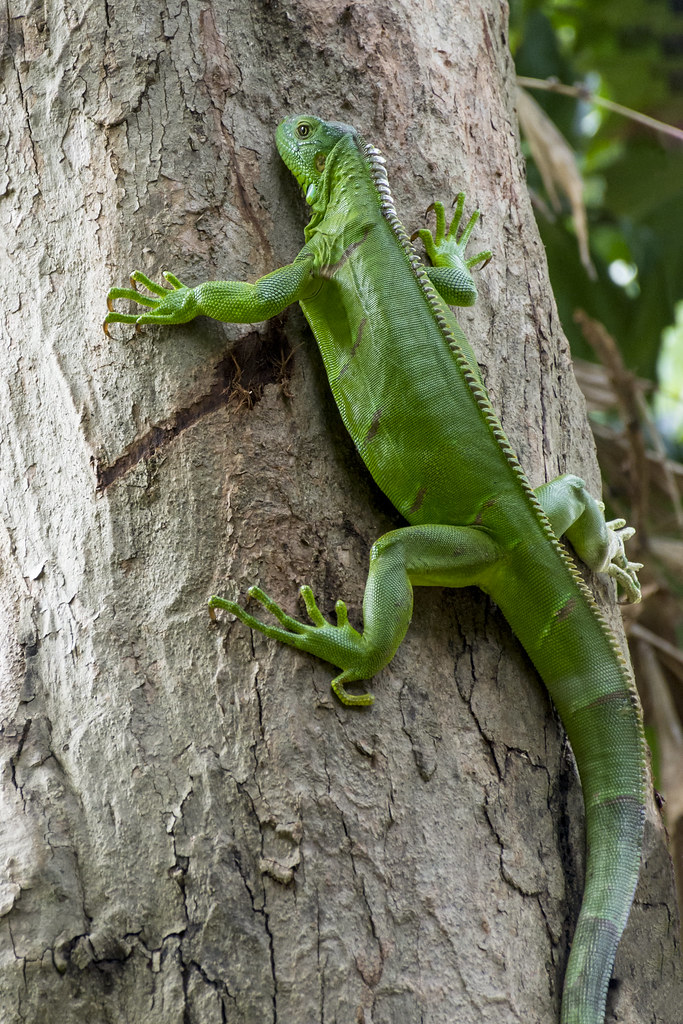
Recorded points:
(193, 830)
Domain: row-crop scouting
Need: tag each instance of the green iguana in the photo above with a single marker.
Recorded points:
(411, 395)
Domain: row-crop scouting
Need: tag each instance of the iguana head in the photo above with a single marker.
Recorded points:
(304, 144)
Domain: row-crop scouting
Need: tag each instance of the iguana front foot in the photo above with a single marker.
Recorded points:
(444, 248)
(174, 303)
(617, 564)
(450, 269)
(341, 645)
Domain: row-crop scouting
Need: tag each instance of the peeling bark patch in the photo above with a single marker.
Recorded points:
(374, 426)
(331, 269)
(419, 498)
(239, 377)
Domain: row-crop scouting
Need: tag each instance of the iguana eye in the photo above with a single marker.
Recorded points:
(303, 130)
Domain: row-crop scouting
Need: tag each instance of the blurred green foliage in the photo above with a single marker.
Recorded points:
(629, 51)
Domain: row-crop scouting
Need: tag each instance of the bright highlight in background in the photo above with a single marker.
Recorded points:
(669, 398)
(622, 273)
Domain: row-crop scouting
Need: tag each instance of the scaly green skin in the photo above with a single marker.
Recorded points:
(410, 393)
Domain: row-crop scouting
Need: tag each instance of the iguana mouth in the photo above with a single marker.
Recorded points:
(305, 145)
(307, 186)
(302, 179)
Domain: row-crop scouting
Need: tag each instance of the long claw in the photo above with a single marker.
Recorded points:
(292, 625)
(273, 632)
(137, 277)
(438, 209)
(426, 236)
(120, 318)
(129, 293)
(458, 207)
(487, 256)
(627, 580)
(312, 610)
(173, 280)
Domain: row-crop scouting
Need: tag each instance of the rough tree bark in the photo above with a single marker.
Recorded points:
(193, 829)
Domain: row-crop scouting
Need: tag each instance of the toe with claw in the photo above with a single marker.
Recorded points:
(617, 564)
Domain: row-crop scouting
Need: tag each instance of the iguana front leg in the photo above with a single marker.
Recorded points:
(451, 556)
(234, 302)
(575, 513)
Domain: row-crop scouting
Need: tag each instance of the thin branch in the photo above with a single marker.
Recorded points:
(673, 654)
(580, 92)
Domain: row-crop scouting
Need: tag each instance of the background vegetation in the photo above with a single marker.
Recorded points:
(629, 51)
(622, 307)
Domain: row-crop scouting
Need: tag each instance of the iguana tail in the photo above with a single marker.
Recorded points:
(555, 617)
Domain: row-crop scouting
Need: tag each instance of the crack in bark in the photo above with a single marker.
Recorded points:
(14, 760)
(241, 193)
(469, 702)
(240, 377)
(370, 978)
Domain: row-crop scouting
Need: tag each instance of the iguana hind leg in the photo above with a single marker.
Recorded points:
(452, 556)
(575, 513)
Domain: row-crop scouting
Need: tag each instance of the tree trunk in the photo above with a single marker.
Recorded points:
(194, 830)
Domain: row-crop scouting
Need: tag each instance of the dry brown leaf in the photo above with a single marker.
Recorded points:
(557, 166)
(669, 551)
